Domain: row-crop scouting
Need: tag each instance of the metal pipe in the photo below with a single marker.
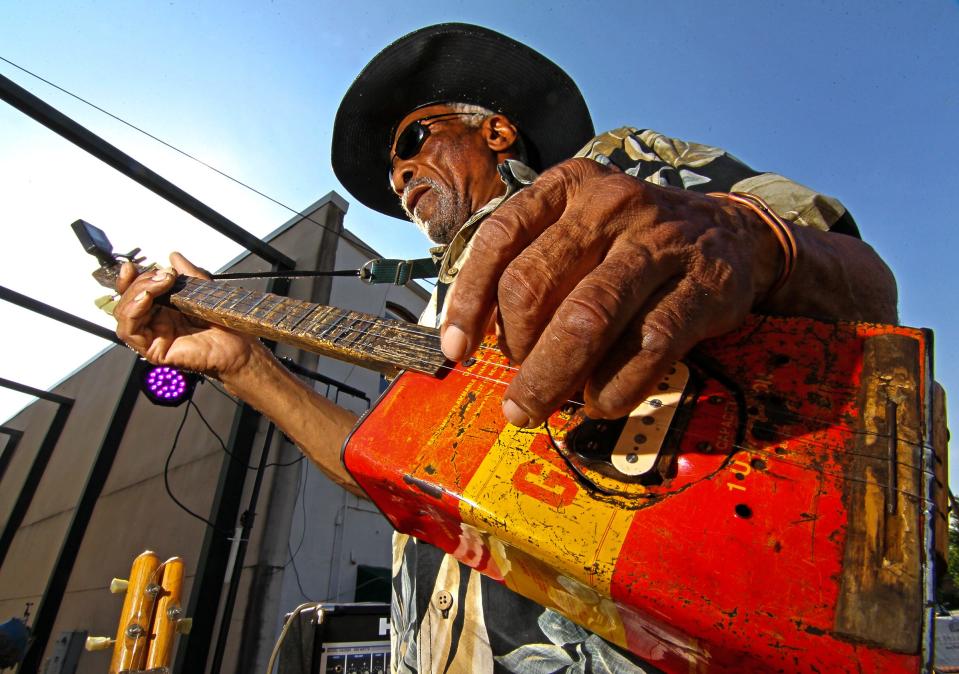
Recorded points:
(207, 588)
(85, 139)
(39, 307)
(10, 449)
(49, 606)
(39, 465)
(246, 528)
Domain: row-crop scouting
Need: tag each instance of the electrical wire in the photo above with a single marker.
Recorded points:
(222, 392)
(301, 497)
(286, 628)
(166, 478)
(169, 145)
(296, 575)
(216, 435)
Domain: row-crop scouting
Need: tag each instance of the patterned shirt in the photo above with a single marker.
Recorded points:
(446, 617)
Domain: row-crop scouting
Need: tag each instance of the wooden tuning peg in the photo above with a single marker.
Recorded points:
(119, 585)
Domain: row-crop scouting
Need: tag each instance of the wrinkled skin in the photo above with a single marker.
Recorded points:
(600, 281)
(167, 337)
(454, 173)
(597, 282)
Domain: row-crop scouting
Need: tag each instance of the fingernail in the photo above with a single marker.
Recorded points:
(514, 414)
(453, 343)
(161, 275)
(142, 296)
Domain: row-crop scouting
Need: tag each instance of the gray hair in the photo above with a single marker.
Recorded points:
(479, 114)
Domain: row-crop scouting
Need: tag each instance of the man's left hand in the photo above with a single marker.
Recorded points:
(600, 282)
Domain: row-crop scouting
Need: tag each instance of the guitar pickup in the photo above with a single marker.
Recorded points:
(633, 444)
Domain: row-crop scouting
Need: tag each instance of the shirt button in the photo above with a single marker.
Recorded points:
(452, 271)
(443, 600)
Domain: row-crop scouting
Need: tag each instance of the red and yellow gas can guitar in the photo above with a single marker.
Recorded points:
(777, 504)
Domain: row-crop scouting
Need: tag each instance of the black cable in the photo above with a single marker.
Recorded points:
(223, 393)
(174, 148)
(287, 463)
(292, 273)
(301, 496)
(166, 477)
(216, 435)
(296, 574)
(226, 451)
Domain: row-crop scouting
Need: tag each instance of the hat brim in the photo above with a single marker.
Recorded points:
(453, 63)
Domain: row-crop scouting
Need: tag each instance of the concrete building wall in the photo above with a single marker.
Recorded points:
(298, 509)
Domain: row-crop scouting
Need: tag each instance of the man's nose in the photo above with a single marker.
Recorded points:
(400, 176)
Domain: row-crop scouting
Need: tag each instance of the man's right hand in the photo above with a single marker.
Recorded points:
(165, 336)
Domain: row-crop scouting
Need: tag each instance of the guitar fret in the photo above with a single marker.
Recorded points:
(326, 331)
(292, 312)
(317, 320)
(256, 304)
(302, 318)
(278, 316)
(349, 335)
(190, 289)
(268, 306)
(222, 300)
(206, 291)
(240, 299)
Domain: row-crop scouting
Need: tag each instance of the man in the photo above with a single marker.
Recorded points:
(601, 265)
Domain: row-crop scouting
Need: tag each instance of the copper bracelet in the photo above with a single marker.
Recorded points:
(779, 227)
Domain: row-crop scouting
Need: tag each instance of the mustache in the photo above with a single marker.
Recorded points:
(412, 185)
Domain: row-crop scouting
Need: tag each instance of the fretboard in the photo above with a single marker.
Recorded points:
(371, 341)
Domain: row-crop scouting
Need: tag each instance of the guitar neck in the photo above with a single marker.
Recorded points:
(377, 343)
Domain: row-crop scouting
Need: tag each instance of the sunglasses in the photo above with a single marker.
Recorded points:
(410, 142)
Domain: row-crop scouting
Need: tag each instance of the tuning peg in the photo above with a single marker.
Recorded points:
(107, 303)
(184, 625)
(119, 585)
(99, 643)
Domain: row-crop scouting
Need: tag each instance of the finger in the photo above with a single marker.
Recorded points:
(536, 282)
(666, 330)
(136, 308)
(187, 268)
(496, 243)
(584, 327)
(128, 272)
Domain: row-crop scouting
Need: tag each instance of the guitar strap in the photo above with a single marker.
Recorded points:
(381, 270)
(514, 174)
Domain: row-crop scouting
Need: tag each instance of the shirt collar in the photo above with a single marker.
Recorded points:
(515, 175)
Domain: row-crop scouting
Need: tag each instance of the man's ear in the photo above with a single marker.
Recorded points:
(499, 133)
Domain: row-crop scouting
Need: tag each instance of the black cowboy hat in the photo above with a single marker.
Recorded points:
(453, 63)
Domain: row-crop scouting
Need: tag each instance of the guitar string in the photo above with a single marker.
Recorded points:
(426, 331)
(919, 499)
(211, 289)
(773, 455)
(642, 522)
(430, 332)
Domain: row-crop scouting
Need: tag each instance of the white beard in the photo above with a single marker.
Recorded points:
(450, 213)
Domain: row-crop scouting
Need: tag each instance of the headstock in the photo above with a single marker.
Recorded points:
(151, 616)
(94, 241)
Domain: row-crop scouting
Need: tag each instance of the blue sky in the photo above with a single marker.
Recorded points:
(855, 99)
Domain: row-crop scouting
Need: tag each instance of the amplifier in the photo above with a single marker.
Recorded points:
(337, 639)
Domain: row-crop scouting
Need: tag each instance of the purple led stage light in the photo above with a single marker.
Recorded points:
(165, 385)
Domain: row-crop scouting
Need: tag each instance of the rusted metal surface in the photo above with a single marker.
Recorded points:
(735, 553)
(371, 341)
